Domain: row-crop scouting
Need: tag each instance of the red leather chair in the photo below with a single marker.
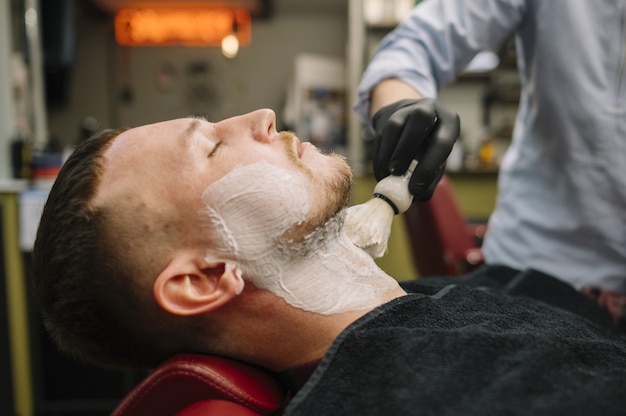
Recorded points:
(442, 243)
(201, 385)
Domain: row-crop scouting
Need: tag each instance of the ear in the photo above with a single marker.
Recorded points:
(185, 289)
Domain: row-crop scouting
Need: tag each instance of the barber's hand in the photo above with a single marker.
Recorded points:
(421, 129)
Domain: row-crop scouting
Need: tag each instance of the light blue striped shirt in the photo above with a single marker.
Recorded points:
(561, 205)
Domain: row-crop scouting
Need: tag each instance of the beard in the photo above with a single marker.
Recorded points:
(333, 190)
(337, 192)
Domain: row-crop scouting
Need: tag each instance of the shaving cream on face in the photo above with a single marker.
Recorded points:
(249, 211)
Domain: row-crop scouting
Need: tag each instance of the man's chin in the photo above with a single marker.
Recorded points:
(331, 214)
(306, 240)
(333, 197)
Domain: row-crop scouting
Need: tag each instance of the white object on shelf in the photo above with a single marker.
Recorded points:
(31, 203)
(386, 12)
(316, 101)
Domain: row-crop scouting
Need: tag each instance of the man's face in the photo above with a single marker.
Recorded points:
(167, 166)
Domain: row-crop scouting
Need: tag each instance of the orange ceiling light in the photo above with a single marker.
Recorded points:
(188, 27)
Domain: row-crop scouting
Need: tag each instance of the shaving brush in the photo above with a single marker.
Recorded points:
(368, 225)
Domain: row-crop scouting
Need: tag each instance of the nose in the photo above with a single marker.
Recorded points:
(262, 124)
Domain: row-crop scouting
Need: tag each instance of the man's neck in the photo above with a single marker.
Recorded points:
(309, 293)
(285, 337)
(280, 336)
(324, 273)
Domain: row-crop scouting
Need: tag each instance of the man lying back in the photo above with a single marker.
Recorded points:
(226, 238)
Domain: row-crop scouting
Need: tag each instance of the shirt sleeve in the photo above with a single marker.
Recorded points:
(435, 42)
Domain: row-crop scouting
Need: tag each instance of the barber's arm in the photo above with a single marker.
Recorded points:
(407, 127)
(426, 51)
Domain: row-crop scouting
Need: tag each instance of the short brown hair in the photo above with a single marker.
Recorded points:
(92, 304)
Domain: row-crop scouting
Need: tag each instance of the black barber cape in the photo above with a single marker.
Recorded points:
(469, 349)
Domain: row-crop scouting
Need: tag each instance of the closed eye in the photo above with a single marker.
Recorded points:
(215, 149)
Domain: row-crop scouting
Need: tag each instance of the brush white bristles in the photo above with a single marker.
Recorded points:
(368, 225)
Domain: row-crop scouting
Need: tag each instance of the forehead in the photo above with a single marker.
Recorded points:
(151, 135)
(141, 157)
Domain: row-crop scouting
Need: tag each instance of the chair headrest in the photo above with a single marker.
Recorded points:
(189, 378)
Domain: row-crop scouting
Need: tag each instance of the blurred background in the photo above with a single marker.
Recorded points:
(69, 68)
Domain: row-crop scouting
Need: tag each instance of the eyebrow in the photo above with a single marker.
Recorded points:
(193, 126)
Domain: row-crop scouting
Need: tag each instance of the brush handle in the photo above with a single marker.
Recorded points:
(395, 189)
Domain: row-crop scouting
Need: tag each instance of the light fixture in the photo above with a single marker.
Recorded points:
(185, 26)
(230, 43)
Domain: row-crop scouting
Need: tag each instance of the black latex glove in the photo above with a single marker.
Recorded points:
(421, 129)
